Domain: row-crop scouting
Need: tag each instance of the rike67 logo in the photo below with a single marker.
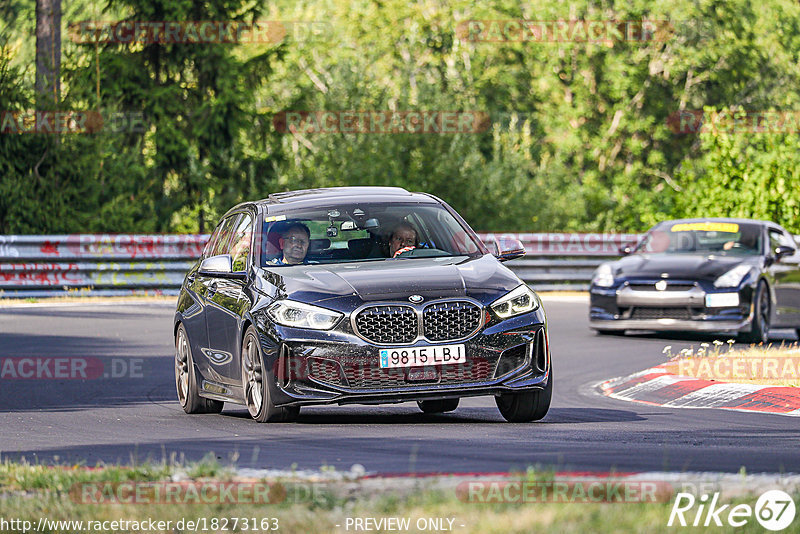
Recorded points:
(774, 510)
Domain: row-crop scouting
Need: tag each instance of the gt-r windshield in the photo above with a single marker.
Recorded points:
(355, 232)
(717, 238)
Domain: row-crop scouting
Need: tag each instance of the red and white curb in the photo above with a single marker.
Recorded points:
(657, 386)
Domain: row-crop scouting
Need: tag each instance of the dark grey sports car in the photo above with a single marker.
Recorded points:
(357, 295)
(703, 275)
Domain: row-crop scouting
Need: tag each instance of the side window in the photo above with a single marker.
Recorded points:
(775, 240)
(220, 245)
(212, 241)
(241, 242)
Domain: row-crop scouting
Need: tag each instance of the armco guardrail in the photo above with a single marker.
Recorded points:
(55, 265)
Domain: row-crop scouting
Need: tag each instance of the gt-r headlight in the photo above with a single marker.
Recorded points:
(300, 315)
(603, 276)
(733, 277)
(515, 302)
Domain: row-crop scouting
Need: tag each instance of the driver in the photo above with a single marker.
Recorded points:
(403, 239)
(748, 240)
(294, 243)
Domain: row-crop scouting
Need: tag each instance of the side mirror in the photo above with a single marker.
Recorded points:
(626, 249)
(508, 248)
(783, 251)
(221, 266)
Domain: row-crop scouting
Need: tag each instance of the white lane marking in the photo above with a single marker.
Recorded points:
(714, 395)
(646, 387)
(614, 382)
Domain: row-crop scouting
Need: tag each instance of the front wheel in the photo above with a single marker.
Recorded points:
(438, 406)
(187, 380)
(526, 406)
(257, 380)
(759, 328)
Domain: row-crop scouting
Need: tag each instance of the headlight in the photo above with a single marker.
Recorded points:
(733, 277)
(519, 300)
(603, 276)
(299, 315)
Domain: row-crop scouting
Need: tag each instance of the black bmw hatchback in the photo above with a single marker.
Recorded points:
(364, 295)
(737, 276)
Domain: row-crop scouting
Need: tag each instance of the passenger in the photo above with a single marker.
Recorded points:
(294, 244)
(403, 239)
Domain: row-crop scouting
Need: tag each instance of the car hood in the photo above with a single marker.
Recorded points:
(484, 279)
(677, 266)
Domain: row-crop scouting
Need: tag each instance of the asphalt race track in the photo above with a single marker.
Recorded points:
(127, 410)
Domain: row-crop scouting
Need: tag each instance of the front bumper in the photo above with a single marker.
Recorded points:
(338, 367)
(637, 305)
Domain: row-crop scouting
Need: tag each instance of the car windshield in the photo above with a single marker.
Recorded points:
(718, 238)
(363, 232)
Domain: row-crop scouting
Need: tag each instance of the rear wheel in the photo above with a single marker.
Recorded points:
(527, 405)
(759, 327)
(257, 381)
(187, 379)
(438, 406)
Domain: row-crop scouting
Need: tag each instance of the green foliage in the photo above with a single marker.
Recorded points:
(580, 135)
(744, 175)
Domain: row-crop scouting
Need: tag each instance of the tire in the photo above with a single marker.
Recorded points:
(759, 327)
(257, 384)
(187, 378)
(438, 406)
(526, 406)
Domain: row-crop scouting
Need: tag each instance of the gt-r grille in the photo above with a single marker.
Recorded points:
(387, 324)
(450, 320)
(661, 313)
(652, 286)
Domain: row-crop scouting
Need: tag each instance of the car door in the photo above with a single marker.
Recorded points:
(786, 275)
(227, 303)
(195, 320)
(203, 286)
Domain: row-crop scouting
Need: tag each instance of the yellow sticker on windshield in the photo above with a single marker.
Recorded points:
(706, 227)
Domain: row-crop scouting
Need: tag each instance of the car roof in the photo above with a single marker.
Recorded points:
(325, 196)
(719, 219)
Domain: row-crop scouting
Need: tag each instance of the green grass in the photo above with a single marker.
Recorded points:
(30, 492)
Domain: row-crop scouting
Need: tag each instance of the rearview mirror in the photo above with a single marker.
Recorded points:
(508, 248)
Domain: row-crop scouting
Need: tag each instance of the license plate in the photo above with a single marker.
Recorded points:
(416, 356)
(722, 300)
